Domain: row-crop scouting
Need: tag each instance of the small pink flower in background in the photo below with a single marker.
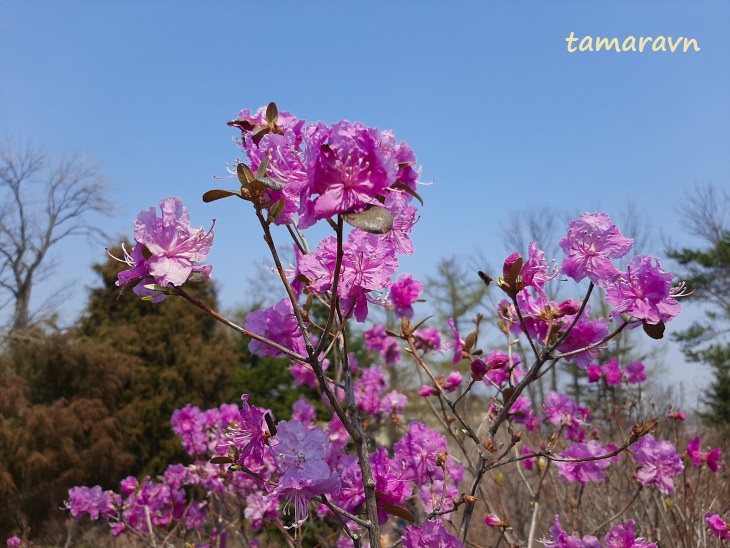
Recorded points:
(403, 293)
(623, 536)
(718, 526)
(428, 338)
(427, 391)
(594, 372)
(278, 324)
(586, 332)
(431, 534)
(635, 372)
(612, 372)
(452, 382)
(250, 435)
(561, 539)
(592, 241)
(417, 452)
(377, 340)
(492, 520)
(393, 403)
(659, 462)
(91, 501)
(303, 411)
(677, 416)
(698, 457)
(583, 472)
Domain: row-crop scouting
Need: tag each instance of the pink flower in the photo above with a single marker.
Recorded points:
(561, 539)
(594, 372)
(623, 536)
(378, 340)
(174, 246)
(583, 472)
(457, 344)
(92, 501)
(249, 436)
(299, 453)
(718, 526)
(393, 403)
(644, 292)
(659, 462)
(404, 292)
(592, 241)
(635, 373)
(348, 166)
(165, 251)
(677, 416)
(432, 534)
(612, 372)
(417, 452)
(492, 520)
(452, 382)
(278, 324)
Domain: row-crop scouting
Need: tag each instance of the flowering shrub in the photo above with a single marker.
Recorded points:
(366, 470)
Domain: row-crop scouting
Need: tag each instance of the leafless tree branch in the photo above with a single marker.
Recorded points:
(44, 201)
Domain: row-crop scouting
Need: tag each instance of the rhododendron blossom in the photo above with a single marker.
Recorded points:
(644, 292)
(659, 462)
(592, 241)
(166, 250)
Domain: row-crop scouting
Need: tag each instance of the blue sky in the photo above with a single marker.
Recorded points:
(501, 116)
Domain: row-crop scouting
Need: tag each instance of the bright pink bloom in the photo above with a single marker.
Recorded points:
(378, 340)
(452, 382)
(644, 292)
(635, 373)
(432, 534)
(561, 539)
(174, 246)
(478, 369)
(417, 452)
(586, 332)
(677, 416)
(623, 536)
(592, 241)
(278, 324)
(91, 501)
(594, 372)
(348, 166)
(583, 472)
(249, 436)
(659, 462)
(492, 520)
(393, 403)
(612, 372)
(718, 526)
(299, 453)
(403, 293)
(457, 344)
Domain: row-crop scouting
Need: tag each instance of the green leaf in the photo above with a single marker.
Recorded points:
(273, 184)
(272, 114)
(263, 166)
(405, 188)
(374, 219)
(218, 194)
(275, 209)
(245, 175)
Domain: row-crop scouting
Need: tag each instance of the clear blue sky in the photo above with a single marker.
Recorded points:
(501, 116)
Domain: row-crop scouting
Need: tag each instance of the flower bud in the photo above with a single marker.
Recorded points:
(478, 369)
(568, 308)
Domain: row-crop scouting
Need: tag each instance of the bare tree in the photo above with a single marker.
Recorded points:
(43, 200)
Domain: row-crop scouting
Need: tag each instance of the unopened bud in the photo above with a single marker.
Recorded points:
(568, 308)
(441, 459)
(478, 369)
(516, 437)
